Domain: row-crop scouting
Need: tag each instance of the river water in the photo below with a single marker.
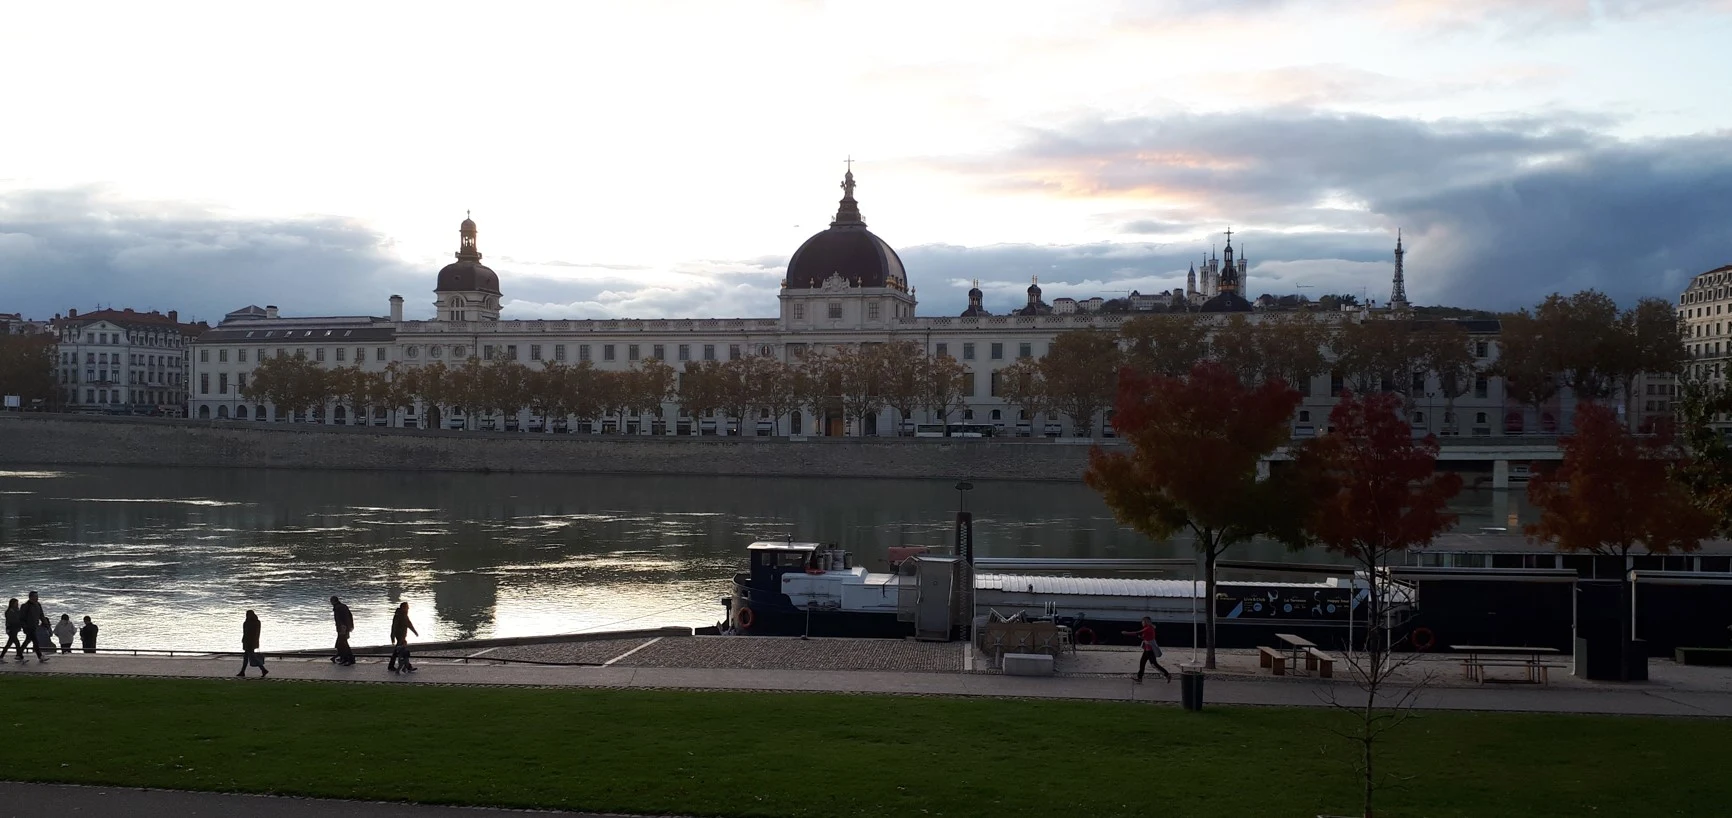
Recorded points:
(171, 558)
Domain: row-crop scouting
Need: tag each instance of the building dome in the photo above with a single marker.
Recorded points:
(468, 274)
(848, 251)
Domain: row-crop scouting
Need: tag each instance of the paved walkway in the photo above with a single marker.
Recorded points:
(34, 800)
(1603, 698)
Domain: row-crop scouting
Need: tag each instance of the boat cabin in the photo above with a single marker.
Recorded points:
(770, 560)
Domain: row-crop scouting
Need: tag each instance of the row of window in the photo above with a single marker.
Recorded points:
(122, 395)
(154, 339)
(340, 353)
(69, 376)
(171, 361)
(222, 383)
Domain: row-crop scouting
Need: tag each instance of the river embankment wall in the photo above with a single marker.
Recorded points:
(78, 440)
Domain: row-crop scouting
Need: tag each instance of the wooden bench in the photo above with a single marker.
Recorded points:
(1273, 659)
(1476, 670)
(1321, 663)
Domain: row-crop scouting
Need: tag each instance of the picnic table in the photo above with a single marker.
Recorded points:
(1296, 645)
(1479, 657)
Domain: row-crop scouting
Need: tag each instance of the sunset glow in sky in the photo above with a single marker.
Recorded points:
(664, 159)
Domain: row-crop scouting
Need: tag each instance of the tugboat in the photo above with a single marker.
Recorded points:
(812, 589)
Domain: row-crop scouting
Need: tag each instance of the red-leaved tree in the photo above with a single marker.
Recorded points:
(1195, 443)
(1612, 493)
(1377, 490)
(1375, 493)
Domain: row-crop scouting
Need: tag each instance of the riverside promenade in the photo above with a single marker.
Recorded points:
(1097, 674)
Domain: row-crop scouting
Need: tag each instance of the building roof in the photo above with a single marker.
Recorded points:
(131, 318)
(847, 251)
(1227, 302)
(467, 273)
(338, 335)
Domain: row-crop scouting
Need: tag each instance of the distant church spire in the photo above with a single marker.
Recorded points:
(1398, 295)
(849, 211)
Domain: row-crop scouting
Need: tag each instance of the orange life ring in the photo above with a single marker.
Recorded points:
(1085, 636)
(744, 618)
(1423, 639)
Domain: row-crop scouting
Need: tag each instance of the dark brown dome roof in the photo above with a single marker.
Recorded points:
(847, 250)
(467, 276)
(468, 273)
(854, 253)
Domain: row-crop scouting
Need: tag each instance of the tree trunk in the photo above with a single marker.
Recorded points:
(1209, 557)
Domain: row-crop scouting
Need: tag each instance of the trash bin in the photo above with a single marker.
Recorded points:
(1191, 687)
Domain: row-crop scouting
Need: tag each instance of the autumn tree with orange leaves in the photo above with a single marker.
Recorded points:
(1615, 492)
(1195, 443)
(1375, 492)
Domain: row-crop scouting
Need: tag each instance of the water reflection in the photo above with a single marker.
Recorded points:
(169, 557)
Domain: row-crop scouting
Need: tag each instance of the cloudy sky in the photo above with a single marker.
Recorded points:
(654, 159)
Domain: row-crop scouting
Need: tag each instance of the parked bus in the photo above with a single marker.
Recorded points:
(956, 430)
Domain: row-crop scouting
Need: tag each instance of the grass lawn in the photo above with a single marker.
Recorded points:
(762, 754)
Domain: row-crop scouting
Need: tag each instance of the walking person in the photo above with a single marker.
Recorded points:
(32, 620)
(345, 622)
(87, 635)
(1151, 650)
(14, 621)
(64, 630)
(401, 627)
(250, 646)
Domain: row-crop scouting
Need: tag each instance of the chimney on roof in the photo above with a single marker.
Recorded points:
(270, 310)
(72, 313)
(174, 315)
(396, 308)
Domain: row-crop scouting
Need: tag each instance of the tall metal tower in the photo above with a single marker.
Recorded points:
(1398, 297)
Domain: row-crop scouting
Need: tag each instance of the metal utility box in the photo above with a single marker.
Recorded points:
(929, 596)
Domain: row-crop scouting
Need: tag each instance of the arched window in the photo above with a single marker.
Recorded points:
(204, 412)
(222, 412)
(241, 412)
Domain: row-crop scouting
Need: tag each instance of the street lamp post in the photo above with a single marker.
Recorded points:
(965, 551)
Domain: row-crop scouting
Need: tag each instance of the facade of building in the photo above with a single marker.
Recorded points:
(124, 360)
(1705, 307)
(844, 286)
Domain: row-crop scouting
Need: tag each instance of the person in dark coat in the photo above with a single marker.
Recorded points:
(14, 622)
(33, 621)
(250, 646)
(87, 635)
(401, 627)
(345, 621)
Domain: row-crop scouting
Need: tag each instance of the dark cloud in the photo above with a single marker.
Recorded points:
(1498, 214)
(80, 248)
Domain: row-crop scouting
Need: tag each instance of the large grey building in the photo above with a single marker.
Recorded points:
(843, 286)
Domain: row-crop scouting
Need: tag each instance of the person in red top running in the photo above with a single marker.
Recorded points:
(1151, 650)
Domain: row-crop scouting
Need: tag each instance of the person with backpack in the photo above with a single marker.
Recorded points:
(34, 623)
(14, 622)
(1151, 650)
(401, 627)
(345, 621)
(250, 646)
